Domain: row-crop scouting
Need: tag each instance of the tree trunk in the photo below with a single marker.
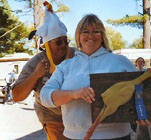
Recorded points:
(38, 14)
(146, 25)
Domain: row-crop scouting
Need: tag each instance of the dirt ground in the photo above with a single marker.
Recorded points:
(19, 122)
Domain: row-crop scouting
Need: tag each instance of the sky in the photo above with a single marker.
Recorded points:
(104, 9)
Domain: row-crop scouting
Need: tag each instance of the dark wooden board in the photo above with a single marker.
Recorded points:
(126, 112)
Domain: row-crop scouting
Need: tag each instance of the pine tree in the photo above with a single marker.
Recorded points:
(140, 21)
(13, 33)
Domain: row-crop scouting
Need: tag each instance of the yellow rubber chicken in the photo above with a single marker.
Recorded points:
(115, 96)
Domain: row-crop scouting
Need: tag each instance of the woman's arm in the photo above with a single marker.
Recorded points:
(51, 94)
(60, 97)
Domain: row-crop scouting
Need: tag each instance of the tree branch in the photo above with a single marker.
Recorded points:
(11, 30)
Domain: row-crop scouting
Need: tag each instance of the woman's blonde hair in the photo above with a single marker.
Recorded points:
(91, 19)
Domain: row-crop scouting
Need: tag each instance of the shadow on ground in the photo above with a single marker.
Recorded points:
(38, 135)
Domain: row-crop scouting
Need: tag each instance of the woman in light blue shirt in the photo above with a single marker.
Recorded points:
(69, 86)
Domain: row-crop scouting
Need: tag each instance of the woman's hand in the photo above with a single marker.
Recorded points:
(86, 94)
(143, 122)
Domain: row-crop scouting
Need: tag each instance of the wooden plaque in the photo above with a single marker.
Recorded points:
(126, 112)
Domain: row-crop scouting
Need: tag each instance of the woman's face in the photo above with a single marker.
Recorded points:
(90, 39)
(140, 63)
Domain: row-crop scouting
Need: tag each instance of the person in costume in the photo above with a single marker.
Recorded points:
(40, 68)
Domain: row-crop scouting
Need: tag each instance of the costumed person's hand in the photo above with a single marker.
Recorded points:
(86, 94)
(143, 122)
(42, 67)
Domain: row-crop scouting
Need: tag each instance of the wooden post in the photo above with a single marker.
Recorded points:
(146, 25)
(38, 14)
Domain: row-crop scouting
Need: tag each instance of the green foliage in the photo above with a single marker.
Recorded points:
(134, 21)
(137, 44)
(115, 39)
(13, 33)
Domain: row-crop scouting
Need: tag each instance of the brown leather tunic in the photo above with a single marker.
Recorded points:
(44, 114)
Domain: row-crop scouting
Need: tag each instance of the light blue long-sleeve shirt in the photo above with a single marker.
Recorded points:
(73, 74)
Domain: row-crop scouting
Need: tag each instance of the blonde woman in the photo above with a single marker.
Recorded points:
(69, 86)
